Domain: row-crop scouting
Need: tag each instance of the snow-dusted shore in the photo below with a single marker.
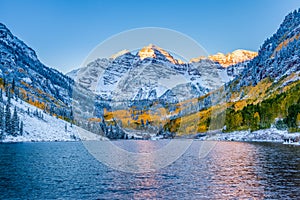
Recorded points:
(266, 135)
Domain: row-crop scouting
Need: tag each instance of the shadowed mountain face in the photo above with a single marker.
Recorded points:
(19, 62)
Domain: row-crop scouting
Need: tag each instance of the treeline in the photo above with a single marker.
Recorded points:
(282, 110)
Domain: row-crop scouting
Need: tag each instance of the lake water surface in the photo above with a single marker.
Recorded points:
(65, 170)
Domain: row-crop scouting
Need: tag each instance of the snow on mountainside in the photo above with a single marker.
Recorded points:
(45, 128)
(278, 57)
(39, 89)
(72, 74)
(229, 59)
(151, 74)
(20, 67)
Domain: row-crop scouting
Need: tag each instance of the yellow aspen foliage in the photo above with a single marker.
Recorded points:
(239, 105)
(256, 116)
(238, 120)
(298, 119)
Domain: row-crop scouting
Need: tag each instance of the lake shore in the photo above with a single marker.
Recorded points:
(266, 135)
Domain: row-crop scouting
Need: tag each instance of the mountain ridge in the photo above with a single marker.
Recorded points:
(111, 70)
(228, 59)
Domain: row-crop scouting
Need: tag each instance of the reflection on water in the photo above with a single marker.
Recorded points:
(138, 161)
(231, 170)
(234, 171)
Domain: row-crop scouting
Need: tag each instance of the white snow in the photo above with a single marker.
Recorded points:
(267, 135)
(27, 80)
(49, 128)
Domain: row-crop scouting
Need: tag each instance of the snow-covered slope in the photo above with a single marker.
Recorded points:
(278, 57)
(46, 128)
(20, 67)
(25, 78)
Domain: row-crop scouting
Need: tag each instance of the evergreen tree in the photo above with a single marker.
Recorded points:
(17, 94)
(21, 128)
(1, 122)
(2, 118)
(6, 90)
(13, 85)
(15, 123)
(1, 98)
(142, 123)
(7, 119)
(4, 83)
(71, 114)
(8, 97)
(1, 135)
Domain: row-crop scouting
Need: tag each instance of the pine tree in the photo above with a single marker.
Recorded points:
(21, 128)
(1, 98)
(2, 124)
(142, 123)
(1, 135)
(17, 94)
(15, 123)
(13, 85)
(6, 90)
(8, 97)
(4, 82)
(7, 119)
(71, 114)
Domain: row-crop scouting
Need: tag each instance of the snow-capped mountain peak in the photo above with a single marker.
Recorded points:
(153, 51)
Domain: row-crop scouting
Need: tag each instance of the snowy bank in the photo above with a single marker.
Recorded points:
(266, 135)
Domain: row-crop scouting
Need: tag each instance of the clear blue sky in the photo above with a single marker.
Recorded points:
(63, 32)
